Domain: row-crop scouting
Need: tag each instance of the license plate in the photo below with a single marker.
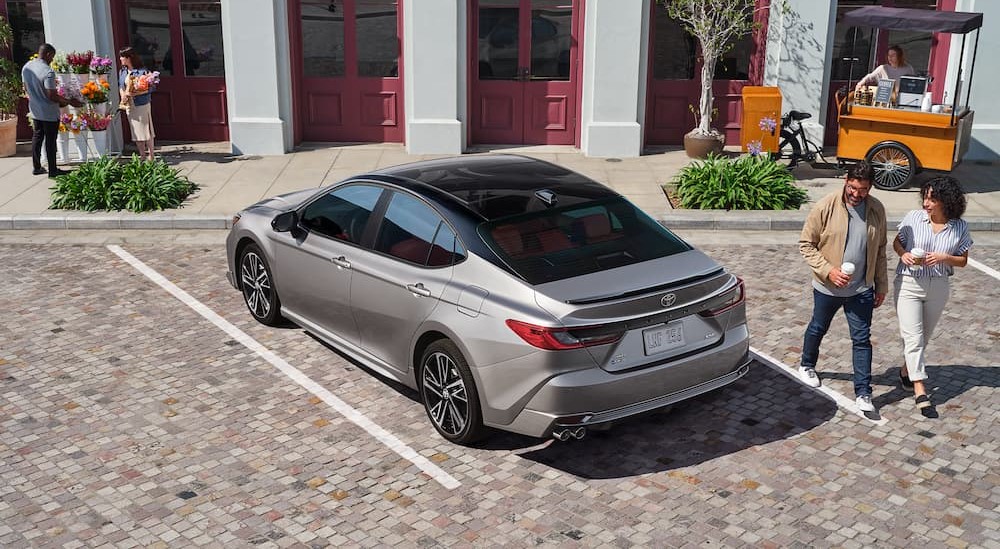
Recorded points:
(663, 338)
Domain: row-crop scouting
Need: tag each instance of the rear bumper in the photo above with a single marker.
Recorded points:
(594, 397)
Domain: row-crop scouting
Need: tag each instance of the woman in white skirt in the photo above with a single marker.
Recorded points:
(940, 235)
(140, 117)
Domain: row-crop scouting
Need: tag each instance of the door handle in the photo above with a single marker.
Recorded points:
(341, 262)
(418, 289)
(523, 74)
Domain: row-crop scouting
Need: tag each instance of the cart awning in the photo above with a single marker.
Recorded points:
(955, 22)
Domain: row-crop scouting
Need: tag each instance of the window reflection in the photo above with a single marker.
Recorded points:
(201, 32)
(25, 18)
(322, 38)
(376, 37)
(498, 42)
(149, 31)
(673, 48)
(551, 35)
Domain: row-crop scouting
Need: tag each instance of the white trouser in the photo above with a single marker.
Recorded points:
(919, 304)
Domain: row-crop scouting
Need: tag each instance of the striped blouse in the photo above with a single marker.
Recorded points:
(915, 231)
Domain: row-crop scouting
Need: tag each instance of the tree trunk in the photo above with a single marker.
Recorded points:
(705, 104)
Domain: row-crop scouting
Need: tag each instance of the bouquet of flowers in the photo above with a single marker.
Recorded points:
(69, 90)
(138, 85)
(79, 63)
(59, 62)
(95, 92)
(72, 123)
(146, 81)
(100, 65)
(97, 122)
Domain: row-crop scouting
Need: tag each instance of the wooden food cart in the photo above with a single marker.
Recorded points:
(899, 141)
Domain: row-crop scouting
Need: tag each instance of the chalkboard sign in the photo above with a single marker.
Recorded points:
(883, 95)
(912, 84)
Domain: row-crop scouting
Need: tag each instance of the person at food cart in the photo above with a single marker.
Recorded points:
(921, 287)
(894, 67)
(846, 226)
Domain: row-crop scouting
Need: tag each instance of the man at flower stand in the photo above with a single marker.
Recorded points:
(43, 104)
(137, 84)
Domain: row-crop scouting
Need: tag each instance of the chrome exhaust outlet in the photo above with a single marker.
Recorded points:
(561, 435)
(579, 433)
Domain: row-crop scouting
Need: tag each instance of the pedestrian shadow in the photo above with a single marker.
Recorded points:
(762, 407)
(945, 382)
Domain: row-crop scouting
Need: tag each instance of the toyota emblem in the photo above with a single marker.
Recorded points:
(668, 300)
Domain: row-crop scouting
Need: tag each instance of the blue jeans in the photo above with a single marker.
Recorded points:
(858, 310)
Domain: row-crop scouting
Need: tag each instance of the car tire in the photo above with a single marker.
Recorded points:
(894, 165)
(257, 286)
(449, 393)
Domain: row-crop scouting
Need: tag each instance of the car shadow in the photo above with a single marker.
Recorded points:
(945, 382)
(762, 407)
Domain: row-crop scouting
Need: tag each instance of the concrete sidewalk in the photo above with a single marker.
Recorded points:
(228, 183)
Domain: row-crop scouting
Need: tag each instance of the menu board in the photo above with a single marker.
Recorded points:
(883, 95)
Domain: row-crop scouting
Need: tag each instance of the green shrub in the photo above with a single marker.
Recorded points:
(745, 183)
(107, 184)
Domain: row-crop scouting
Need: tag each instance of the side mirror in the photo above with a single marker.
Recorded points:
(285, 222)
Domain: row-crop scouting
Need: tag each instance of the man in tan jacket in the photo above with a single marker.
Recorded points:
(846, 230)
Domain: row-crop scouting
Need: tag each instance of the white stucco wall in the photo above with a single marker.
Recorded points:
(258, 76)
(985, 144)
(614, 77)
(434, 76)
(799, 50)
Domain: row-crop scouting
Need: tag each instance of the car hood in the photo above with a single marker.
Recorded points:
(285, 202)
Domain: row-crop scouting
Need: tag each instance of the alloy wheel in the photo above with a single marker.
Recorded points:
(256, 284)
(446, 398)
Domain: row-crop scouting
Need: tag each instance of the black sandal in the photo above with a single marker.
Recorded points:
(923, 401)
(904, 381)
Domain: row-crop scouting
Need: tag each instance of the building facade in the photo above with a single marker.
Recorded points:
(611, 77)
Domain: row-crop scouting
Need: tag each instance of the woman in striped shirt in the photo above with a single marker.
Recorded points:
(921, 287)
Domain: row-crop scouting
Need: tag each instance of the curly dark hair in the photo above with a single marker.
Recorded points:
(948, 191)
(861, 171)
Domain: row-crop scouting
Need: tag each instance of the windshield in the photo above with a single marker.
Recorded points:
(559, 243)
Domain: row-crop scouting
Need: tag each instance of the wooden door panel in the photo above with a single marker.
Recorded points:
(548, 113)
(324, 109)
(379, 109)
(208, 107)
(162, 107)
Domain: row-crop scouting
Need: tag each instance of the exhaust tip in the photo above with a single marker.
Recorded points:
(579, 433)
(563, 435)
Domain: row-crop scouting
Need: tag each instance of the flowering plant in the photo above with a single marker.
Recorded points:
(100, 65)
(144, 82)
(72, 123)
(97, 122)
(768, 124)
(69, 90)
(95, 92)
(59, 62)
(79, 62)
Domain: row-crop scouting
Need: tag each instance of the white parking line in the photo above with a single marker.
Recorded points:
(293, 373)
(988, 270)
(841, 400)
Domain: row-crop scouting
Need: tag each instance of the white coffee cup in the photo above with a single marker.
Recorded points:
(937, 108)
(847, 268)
(918, 256)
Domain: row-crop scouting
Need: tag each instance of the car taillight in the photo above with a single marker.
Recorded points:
(736, 296)
(558, 339)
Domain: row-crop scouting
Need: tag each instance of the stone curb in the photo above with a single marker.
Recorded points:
(700, 220)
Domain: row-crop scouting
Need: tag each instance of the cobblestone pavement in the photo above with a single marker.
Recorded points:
(128, 420)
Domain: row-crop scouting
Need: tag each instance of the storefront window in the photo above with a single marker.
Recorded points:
(201, 32)
(551, 36)
(853, 54)
(377, 39)
(675, 52)
(25, 17)
(322, 38)
(149, 32)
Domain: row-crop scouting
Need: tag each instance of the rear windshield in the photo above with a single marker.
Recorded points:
(559, 243)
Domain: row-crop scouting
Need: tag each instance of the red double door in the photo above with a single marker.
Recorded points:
(183, 41)
(523, 71)
(346, 70)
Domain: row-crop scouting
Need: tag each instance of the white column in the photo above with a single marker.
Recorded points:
(799, 52)
(435, 76)
(985, 145)
(258, 75)
(615, 46)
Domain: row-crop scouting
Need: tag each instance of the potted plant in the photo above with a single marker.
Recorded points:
(10, 92)
(716, 24)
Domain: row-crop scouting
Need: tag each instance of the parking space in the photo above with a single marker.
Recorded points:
(128, 418)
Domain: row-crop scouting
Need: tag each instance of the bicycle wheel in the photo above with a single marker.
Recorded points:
(893, 163)
(789, 149)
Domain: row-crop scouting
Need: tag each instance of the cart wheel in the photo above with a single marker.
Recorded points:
(894, 165)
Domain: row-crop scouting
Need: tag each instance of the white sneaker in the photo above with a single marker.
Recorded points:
(864, 403)
(809, 376)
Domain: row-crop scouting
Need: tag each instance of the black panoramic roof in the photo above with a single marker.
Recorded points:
(503, 185)
(955, 22)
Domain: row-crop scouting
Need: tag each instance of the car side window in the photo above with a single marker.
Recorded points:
(342, 213)
(414, 232)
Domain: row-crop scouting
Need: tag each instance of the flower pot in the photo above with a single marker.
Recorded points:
(8, 136)
(100, 108)
(80, 140)
(62, 147)
(699, 146)
(100, 142)
(73, 110)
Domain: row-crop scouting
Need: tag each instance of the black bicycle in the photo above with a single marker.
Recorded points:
(793, 145)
